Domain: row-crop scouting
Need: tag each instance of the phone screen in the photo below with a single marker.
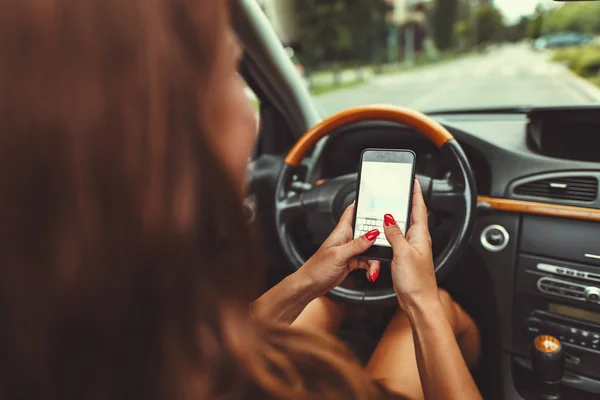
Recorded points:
(386, 182)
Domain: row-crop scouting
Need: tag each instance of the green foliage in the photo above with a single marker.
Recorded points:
(534, 30)
(584, 61)
(517, 31)
(444, 17)
(339, 30)
(488, 24)
(568, 55)
(589, 63)
(576, 17)
(462, 29)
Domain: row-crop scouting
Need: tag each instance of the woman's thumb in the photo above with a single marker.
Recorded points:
(359, 245)
(393, 233)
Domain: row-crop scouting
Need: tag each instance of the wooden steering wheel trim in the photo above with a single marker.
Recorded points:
(434, 131)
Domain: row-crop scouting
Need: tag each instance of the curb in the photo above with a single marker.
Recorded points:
(583, 86)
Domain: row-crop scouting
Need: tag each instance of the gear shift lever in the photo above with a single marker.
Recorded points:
(548, 361)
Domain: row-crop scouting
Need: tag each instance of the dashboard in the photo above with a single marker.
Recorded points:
(533, 264)
(536, 233)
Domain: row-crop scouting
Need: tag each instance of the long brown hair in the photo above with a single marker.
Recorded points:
(125, 261)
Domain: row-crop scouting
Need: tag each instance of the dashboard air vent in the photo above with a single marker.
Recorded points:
(577, 188)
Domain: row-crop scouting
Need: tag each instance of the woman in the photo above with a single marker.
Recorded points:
(126, 262)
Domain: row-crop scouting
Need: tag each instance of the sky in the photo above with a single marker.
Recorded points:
(514, 9)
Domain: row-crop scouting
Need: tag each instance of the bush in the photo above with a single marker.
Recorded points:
(588, 63)
(569, 56)
(584, 61)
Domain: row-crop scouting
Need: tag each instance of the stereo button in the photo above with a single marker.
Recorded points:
(585, 334)
(573, 331)
(534, 326)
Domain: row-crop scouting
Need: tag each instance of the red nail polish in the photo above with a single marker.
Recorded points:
(375, 275)
(372, 235)
(388, 220)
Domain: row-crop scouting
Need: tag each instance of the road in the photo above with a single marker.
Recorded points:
(511, 75)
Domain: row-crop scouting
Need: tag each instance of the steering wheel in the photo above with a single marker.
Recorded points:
(320, 205)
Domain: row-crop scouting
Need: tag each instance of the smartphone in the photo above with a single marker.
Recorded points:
(385, 185)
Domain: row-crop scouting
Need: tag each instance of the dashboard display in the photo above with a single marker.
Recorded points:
(573, 312)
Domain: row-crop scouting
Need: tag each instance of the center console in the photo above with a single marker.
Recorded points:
(558, 293)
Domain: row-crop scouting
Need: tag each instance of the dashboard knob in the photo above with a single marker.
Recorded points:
(494, 238)
(592, 293)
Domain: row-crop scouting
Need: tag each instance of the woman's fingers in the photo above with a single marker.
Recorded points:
(393, 234)
(348, 215)
(418, 213)
(373, 268)
(357, 246)
(418, 233)
(419, 210)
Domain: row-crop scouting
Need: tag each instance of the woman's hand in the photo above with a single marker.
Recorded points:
(337, 257)
(330, 265)
(413, 273)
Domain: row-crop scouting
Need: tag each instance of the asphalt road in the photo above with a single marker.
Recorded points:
(512, 75)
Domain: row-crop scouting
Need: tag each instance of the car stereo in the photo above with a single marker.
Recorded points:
(561, 299)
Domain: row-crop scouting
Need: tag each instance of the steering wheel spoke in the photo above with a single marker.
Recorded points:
(291, 208)
(446, 196)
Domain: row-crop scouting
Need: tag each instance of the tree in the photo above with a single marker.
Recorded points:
(574, 17)
(517, 31)
(488, 24)
(462, 32)
(444, 17)
(333, 31)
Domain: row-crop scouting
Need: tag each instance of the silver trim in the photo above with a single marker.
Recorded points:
(553, 269)
(249, 206)
(490, 247)
(547, 279)
(594, 256)
(555, 185)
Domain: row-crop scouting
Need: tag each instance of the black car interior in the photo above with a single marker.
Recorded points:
(532, 266)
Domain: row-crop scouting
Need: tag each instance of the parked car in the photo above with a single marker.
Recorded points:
(562, 39)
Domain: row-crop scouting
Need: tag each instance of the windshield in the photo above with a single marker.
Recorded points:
(442, 54)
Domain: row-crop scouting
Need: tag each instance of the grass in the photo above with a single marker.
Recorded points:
(317, 90)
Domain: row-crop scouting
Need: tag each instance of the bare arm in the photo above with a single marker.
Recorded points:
(443, 372)
(286, 300)
(326, 269)
(442, 369)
